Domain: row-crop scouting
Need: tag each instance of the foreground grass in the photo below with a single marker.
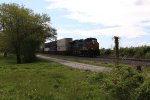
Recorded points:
(46, 81)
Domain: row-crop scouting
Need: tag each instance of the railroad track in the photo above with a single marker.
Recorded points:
(132, 59)
(129, 61)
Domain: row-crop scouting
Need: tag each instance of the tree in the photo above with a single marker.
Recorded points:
(24, 30)
(4, 46)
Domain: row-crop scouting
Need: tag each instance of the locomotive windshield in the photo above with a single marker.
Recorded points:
(91, 39)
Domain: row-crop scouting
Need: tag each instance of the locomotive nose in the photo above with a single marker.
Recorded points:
(93, 42)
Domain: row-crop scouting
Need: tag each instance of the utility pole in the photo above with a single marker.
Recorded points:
(116, 49)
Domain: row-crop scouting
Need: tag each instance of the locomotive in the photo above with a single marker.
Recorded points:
(67, 46)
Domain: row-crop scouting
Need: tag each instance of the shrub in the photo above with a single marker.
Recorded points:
(143, 92)
(96, 78)
(125, 83)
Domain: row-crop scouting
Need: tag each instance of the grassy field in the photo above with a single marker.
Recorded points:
(47, 81)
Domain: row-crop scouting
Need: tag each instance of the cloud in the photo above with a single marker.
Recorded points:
(141, 2)
(128, 32)
(145, 23)
(126, 13)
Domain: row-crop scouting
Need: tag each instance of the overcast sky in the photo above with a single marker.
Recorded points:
(101, 19)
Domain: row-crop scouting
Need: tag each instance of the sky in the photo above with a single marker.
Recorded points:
(101, 19)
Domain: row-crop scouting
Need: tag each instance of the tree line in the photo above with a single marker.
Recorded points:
(22, 31)
(128, 52)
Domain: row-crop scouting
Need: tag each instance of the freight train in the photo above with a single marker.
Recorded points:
(68, 46)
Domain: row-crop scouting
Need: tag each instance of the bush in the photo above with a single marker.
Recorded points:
(125, 83)
(96, 78)
(143, 92)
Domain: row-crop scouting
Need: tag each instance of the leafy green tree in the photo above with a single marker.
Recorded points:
(108, 52)
(24, 30)
(3, 47)
(139, 53)
(147, 55)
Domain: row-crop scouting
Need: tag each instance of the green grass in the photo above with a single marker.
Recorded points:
(47, 81)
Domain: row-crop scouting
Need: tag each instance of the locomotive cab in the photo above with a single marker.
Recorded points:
(92, 46)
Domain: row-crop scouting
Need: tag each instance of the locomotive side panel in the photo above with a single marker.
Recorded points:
(76, 47)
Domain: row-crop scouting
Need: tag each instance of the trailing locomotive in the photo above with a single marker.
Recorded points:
(66, 46)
